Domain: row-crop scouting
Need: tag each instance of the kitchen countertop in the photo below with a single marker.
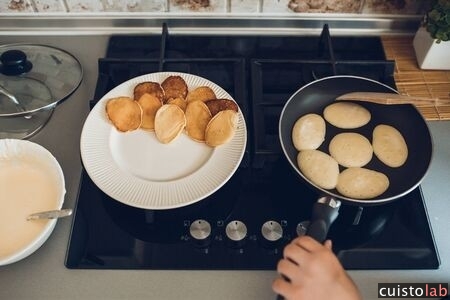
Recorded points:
(412, 81)
(44, 276)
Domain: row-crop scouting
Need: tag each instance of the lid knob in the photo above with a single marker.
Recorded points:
(14, 62)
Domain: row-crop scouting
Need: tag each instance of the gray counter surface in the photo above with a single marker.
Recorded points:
(44, 276)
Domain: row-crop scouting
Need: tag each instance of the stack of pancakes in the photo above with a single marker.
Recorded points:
(170, 108)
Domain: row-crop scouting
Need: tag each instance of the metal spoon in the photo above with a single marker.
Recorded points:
(50, 214)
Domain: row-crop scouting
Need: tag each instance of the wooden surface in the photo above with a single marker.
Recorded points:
(413, 81)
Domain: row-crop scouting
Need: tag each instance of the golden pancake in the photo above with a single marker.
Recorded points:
(351, 149)
(148, 87)
(320, 168)
(178, 101)
(221, 128)
(197, 119)
(150, 105)
(174, 87)
(202, 93)
(389, 146)
(361, 183)
(216, 105)
(308, 132)
(124, 113)
(346, 115)
(169, 123)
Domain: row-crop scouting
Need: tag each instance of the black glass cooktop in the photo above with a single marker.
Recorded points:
(246, 223)
(107, 234)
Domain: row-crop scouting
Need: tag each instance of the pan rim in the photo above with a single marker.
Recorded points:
(354, 201)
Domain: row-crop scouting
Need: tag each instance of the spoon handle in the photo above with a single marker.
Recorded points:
(51, 214)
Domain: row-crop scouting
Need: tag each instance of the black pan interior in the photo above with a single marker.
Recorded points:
(314, 97)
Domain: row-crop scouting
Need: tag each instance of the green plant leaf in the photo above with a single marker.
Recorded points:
(437, 20)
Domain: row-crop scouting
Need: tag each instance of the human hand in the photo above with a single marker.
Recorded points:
(310, 270)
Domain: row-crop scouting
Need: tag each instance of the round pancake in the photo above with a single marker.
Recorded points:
(178, 101)
(174, 87)
(346, 115)
(124, 113)
(148, 87)
(389, 146)
(216, 105)
(308, 132)
(202, 93)
(169, 123)
(197, 119)
(361, 183)
(319, 168)
(351, 149)
(150, 105)
(221, 128)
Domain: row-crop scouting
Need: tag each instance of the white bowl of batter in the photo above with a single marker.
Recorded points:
(31, 180)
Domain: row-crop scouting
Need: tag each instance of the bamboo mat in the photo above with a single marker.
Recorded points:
(413, 81)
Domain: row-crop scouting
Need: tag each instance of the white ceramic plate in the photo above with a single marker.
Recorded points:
(136, 169)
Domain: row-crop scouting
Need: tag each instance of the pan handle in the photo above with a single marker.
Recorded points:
(324, 212)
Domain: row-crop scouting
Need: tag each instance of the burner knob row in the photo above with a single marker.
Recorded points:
(236, 231)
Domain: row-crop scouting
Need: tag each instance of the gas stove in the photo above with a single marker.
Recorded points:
(246, 223)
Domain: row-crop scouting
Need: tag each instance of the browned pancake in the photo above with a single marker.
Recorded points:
(197, 119)
(150, 105)
(217, 105)
(202, 93)
(124, 113)
(178, 101)
(174, 87)
(148, 87)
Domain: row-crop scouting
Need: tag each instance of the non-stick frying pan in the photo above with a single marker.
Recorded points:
(313, 98)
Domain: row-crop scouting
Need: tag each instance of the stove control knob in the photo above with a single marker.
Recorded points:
(272, 231)
(236, 231)
(200, 230)
(302, 228)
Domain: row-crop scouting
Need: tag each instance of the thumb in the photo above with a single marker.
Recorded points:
(328, 244)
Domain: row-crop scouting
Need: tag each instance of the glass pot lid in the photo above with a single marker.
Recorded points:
(35, 77)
